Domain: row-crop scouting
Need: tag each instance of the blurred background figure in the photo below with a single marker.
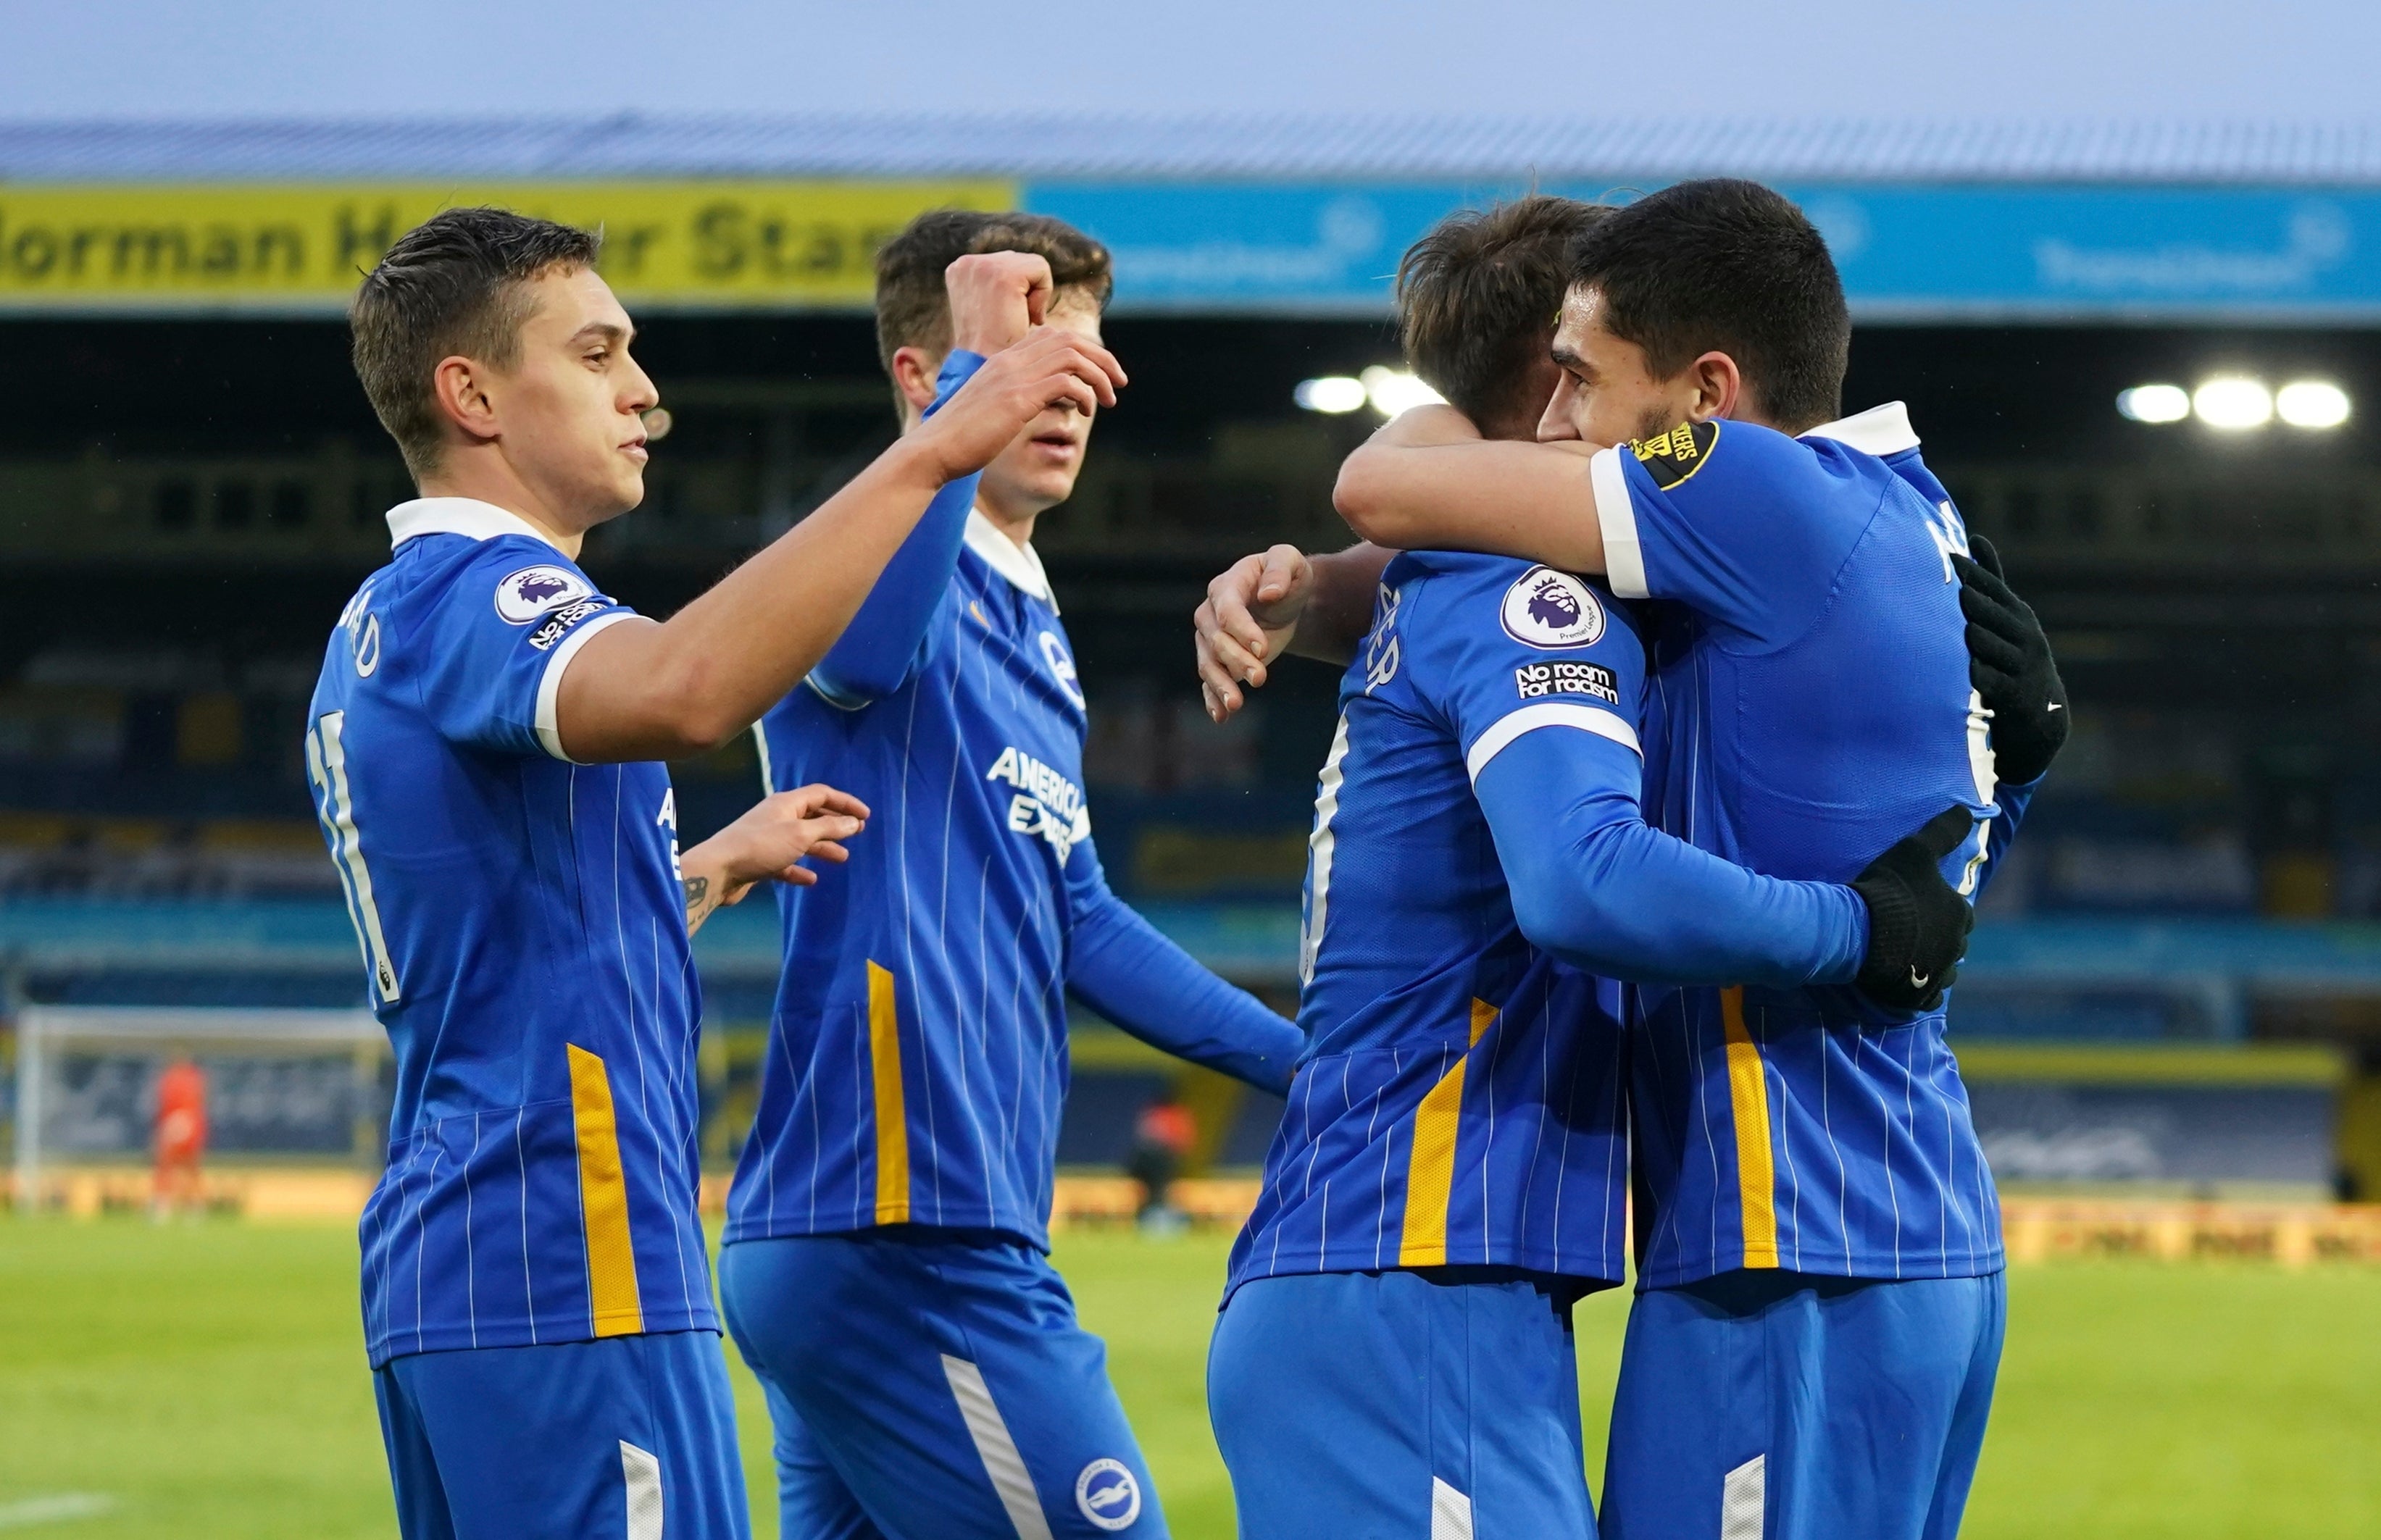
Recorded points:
(1163, 1137)
(180, 1140)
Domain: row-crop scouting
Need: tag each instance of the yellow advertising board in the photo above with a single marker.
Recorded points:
(767, 245)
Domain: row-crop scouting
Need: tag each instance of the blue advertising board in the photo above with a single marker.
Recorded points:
(1907, 253)
(2268, 1135)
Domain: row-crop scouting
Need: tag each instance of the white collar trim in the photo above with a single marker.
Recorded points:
(1021, 565)
(457, 515)
(1880, 430)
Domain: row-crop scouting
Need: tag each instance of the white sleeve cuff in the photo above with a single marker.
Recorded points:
(1529, 718)
(549, 685)
(1624, 558)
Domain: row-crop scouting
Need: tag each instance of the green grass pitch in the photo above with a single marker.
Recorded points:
(207, 1380)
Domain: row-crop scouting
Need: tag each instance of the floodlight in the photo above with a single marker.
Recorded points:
(2311, 404)
(1394, 390)
(1333, 392)
(2233, 401)
(2155, 403)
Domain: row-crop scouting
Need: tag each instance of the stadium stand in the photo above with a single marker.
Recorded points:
(2202, 877)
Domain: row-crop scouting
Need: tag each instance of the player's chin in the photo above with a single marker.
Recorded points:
(1053, 484)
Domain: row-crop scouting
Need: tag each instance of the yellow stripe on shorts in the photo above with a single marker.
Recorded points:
(612, 1296)
(1430, 1170)
(1748, 1095)
(892, 1118)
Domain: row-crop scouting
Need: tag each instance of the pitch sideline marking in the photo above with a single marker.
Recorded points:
(57, 1508)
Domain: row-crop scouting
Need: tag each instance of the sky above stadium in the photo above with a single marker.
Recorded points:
(2025, 59)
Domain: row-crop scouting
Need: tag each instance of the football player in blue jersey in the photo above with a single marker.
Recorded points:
(885, 1269)
(1819, 1322)
(1393, 1355)
(483, 746)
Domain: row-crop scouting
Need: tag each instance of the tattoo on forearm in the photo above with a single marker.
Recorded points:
(699, 901)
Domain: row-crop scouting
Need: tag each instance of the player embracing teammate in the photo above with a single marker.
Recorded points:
(1811, 1350)
(1674, 925)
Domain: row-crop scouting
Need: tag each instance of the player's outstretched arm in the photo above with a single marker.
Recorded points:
(768, 844)
(1428, 482)
(1119, 965)
(995, 299)
(877, 651)
(643, 690)
(1281, 601)
(1596, 886)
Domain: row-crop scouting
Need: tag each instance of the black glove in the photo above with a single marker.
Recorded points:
(2010, 664)
(1917, 923)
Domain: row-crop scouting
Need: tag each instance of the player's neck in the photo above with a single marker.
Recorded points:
(1019, 528)
(491, 481)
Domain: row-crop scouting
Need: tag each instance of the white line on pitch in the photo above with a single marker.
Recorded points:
(59, 1508)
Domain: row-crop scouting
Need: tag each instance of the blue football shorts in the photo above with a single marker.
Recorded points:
(626, 1435)
(1762, 1405)
(930, 1384)
(1399, 1406)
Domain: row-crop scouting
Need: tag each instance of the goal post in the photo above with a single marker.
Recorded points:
(299, 1069)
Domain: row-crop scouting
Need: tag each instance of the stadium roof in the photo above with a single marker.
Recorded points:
(1285, 146)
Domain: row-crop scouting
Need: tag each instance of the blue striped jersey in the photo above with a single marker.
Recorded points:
(1810, 705)
(1462, 1099)
(524, 942)
(917, 1057)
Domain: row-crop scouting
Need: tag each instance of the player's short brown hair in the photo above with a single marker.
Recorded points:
(1477, 299)
(912, 309)
(455, 285)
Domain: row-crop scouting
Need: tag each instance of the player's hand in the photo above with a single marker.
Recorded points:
(775, 833)
(769, 843)
(1052, 366)
(1918, 924)
(1250, 614)
(996, 297)
(2010, 666)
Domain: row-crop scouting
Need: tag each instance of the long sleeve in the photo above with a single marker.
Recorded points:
(1119, 965)
(1593, 884)
(2013, 802)
(877, 651)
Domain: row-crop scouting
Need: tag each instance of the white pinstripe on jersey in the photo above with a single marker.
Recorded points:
(510, 907)
(964, 909)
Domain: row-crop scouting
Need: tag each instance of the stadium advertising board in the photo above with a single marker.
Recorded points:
(1912, 252)
(761, 245)
(1905, 252)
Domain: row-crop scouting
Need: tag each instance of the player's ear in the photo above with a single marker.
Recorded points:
(458, 389)
(1718, 386)
(914, 369)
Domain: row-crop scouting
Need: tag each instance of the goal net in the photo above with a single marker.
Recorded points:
(299, 1094)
